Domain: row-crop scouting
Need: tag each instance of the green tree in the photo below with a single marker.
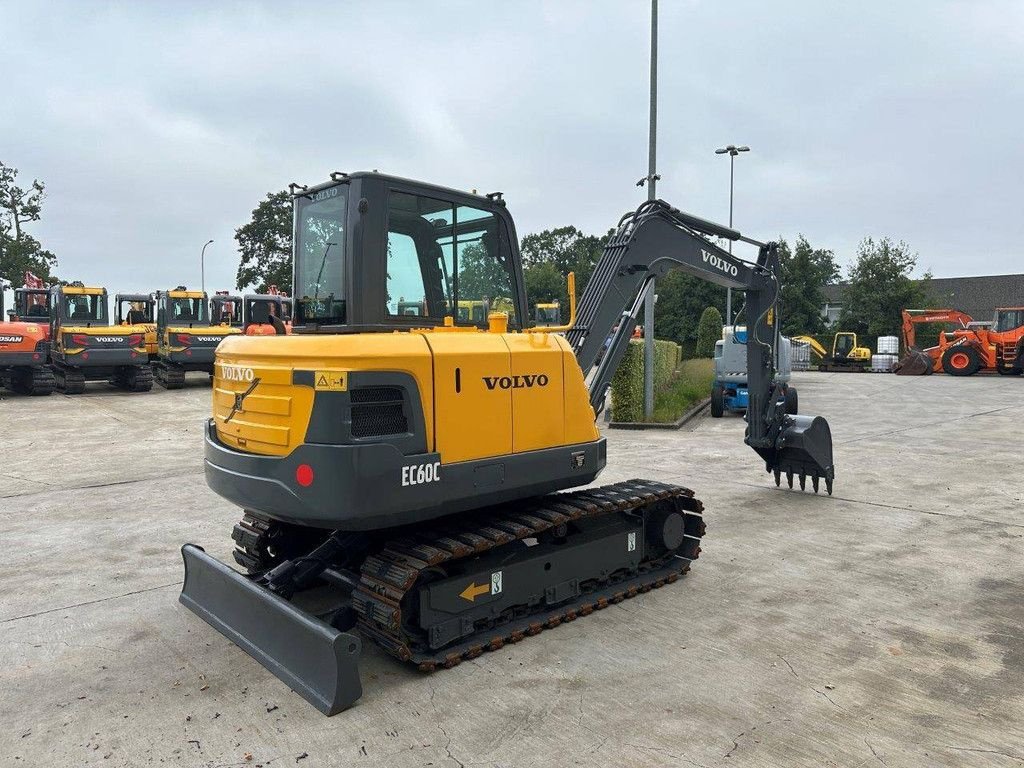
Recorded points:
(20, 252)
(879, 286)
(482, 275)
(265, 245)
(709, 330)
(568, 249)
(548, 258)
(544, 284)
(805, 271)
(682, 298)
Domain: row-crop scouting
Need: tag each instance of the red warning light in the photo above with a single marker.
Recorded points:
(304, 475)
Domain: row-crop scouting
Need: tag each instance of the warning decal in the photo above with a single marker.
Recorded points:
(330, 381)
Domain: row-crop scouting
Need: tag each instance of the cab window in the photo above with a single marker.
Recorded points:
(444, 259)
(85, 308)
(1009, 319)
(185, 309)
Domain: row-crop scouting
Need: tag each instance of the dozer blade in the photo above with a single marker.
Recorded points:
(317, 661)
(804, 449)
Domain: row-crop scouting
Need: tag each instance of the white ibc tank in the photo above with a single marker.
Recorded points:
(888, 345)
(801, 354)
(883, 362)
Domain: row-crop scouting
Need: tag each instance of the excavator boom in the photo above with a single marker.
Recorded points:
(657, 238)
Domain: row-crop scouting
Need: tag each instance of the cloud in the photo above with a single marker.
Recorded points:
(158, 126)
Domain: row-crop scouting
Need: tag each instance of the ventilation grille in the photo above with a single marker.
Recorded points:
(378, 411)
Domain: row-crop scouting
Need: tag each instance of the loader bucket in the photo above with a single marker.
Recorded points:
(317, 661)
(914, 363)
(804, 450)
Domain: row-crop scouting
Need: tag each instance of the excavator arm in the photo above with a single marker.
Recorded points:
(814, 344)
(647, 244)
(912, 317)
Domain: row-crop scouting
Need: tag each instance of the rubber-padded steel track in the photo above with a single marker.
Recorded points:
(168, 376)
(70, 381)
(389, 576)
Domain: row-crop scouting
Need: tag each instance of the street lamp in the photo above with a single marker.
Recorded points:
(732, 150)
(202, 267)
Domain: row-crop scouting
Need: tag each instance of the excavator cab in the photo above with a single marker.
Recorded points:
(263, 315)
(138, 309)
(546, 314)
(32, 305)
(843, 344)
(134, 309)
(226, 309)
(380, 253)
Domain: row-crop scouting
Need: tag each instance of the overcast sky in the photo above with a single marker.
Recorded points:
(157, 126)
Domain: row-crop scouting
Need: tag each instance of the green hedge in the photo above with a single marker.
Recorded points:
(709, 330)
(628, 381)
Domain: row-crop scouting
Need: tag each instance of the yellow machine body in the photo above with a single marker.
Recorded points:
(64, 342)
(168, 341)
(482, 394)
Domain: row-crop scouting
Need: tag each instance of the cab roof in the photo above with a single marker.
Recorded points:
(186, 294)
(82, 290)
(337, 177)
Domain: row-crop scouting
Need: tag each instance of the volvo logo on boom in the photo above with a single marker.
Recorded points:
(236, 373)
(525, 381)
(719, 263)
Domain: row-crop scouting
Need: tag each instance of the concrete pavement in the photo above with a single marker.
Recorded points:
(881, 626)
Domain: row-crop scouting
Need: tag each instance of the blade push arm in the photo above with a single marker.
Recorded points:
(648, 243)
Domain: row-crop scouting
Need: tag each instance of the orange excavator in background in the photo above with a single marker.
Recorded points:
(263, 315)
(24, 343)
(972, 347)
(286, 305)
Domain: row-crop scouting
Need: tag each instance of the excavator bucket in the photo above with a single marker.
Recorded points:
(803, 450)
(317, 661)
(914, 363)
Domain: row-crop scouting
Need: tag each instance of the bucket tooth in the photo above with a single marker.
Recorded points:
(803, 448)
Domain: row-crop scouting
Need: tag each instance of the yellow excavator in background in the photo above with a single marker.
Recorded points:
(138, 309)
(86, 346)
(845, 354)
(403, 469)
(186, 339)
(547, 313)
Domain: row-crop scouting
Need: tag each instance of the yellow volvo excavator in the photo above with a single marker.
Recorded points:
(186, 340)
(409, 465)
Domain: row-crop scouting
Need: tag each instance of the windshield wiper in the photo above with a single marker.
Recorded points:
(320, 274)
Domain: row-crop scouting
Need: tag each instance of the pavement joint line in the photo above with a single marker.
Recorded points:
(929, 424)
(52, 488)
(914, 510)
(91, 602)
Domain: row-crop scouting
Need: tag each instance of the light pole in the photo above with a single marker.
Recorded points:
(650, 179)
(732, 150)
(202, 268)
